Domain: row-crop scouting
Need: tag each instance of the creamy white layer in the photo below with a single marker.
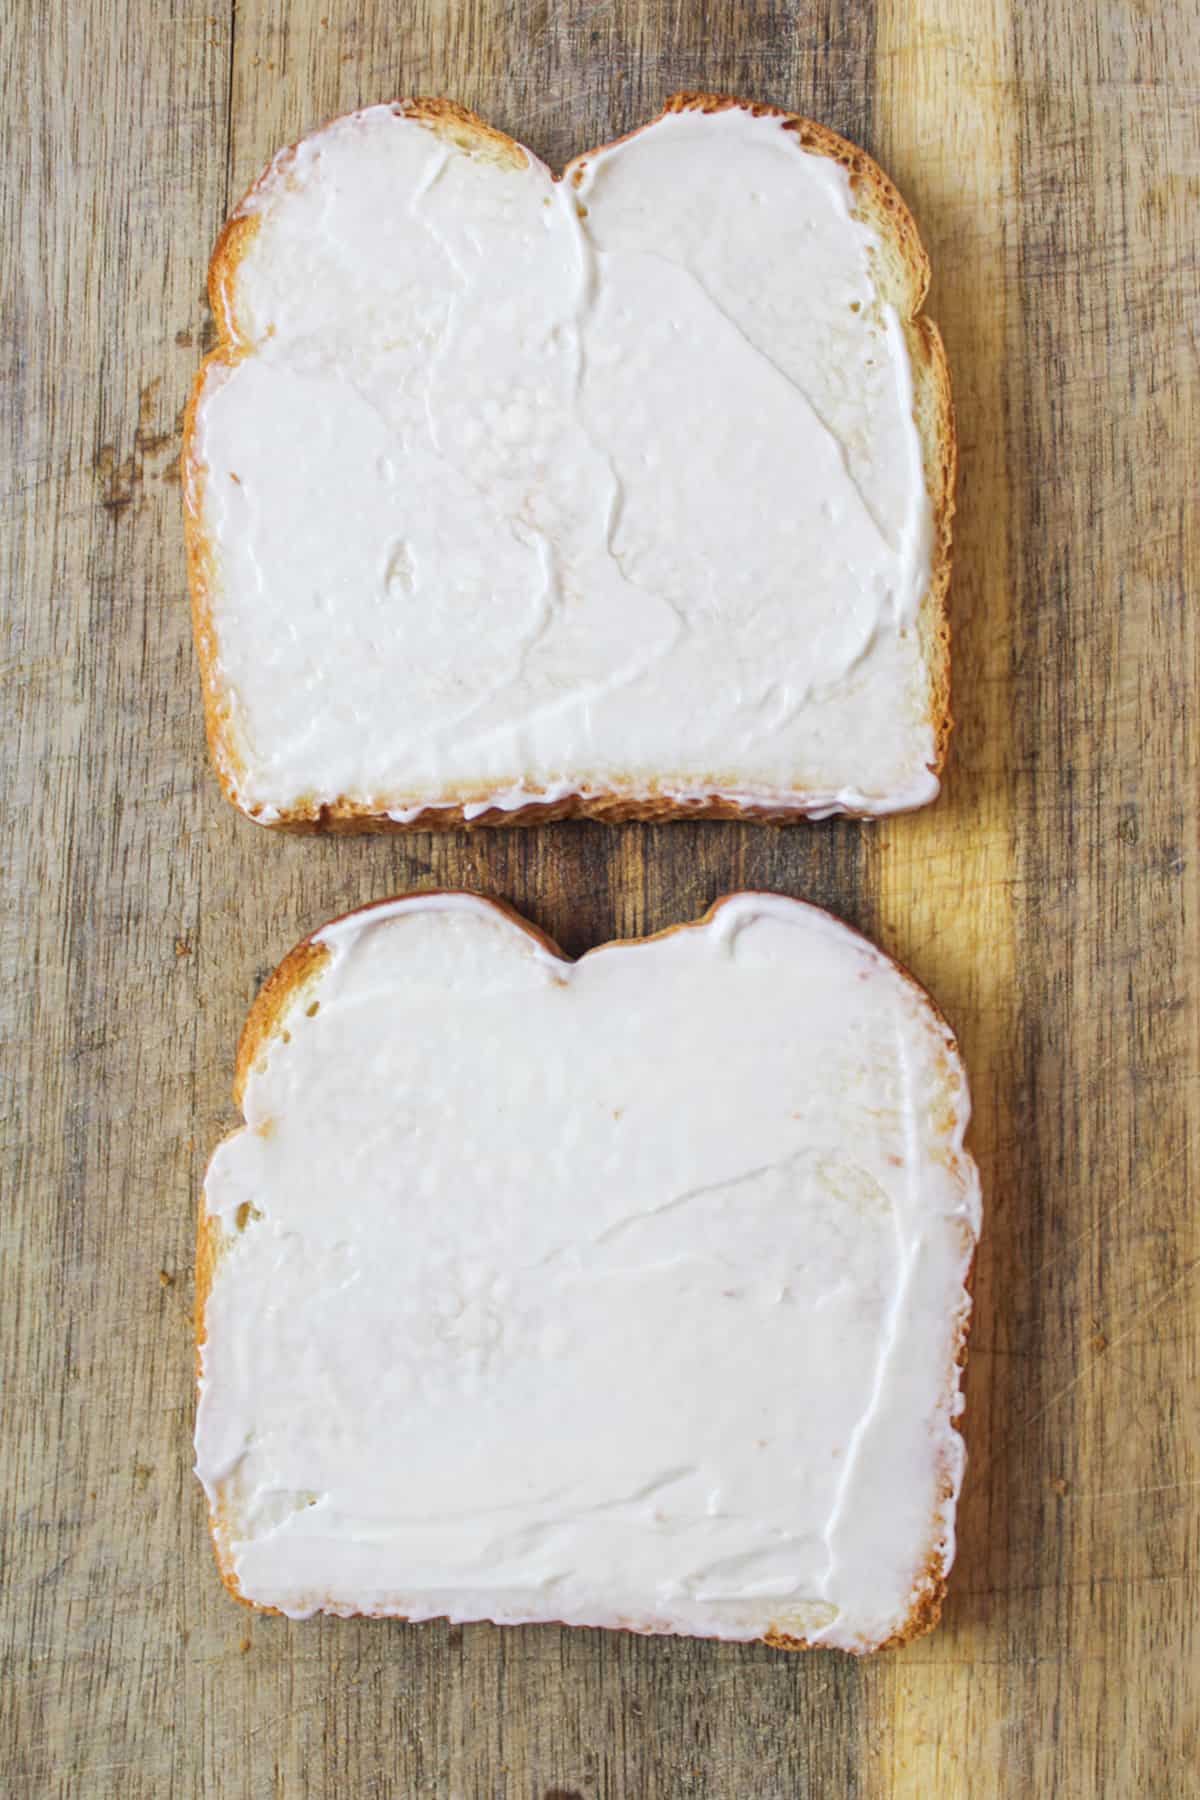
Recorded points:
(624, 1292)
(520, 487)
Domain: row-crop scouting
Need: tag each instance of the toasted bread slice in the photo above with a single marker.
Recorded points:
(624, 494)
(628, 1292)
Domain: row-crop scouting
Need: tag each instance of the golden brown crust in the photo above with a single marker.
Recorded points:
(352, 817)
(939, 452)
(202, 584)
(298, 970)
(459, 126)
(877, 201)
(296, 976)
(209, 1245)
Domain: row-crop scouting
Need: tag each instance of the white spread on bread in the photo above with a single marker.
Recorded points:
(519, 488)
(624, 1292)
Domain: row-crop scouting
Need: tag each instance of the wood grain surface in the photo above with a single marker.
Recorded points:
(1050, 901)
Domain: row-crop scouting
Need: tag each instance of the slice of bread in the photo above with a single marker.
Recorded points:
(628, 1292)
(624, 494)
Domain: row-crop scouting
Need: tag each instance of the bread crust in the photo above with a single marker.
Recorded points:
(292, 981)
(878, 203)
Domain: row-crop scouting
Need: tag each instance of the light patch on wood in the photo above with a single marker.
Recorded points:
(946, 133)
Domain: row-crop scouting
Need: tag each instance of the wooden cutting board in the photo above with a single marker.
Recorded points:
(1050, 900)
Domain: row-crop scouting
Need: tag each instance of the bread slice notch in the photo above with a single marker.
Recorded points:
(629, 1292)
(625, 494)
